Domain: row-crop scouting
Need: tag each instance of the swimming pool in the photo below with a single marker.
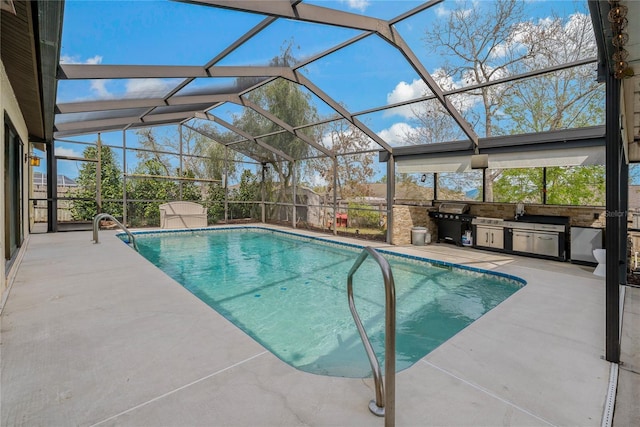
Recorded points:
(288, 292)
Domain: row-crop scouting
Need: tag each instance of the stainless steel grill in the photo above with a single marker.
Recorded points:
(453, 220)
(453, 208)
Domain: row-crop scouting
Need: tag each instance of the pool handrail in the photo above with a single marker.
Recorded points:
(101, 216)
(384, 403)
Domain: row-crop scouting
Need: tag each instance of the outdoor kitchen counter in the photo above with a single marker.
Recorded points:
(532, 235)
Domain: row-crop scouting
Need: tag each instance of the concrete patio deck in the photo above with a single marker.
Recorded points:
(96, 335)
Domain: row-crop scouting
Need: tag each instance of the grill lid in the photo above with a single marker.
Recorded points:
(453, 208)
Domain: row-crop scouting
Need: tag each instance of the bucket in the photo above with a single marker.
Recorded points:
(418, 236)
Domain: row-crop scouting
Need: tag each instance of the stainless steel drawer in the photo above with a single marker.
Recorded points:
(545, 244)
(522, 241)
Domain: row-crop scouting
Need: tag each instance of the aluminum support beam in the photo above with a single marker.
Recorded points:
(263, 192)
(117, 104)
(335, 196)
(479, 85)
(93, 71)
(404, 48)
(123, 121)
(233, 46)
(293, 191)
(100, 71)
(284, 125)
(391, 195)
(304, 12)
(52, 189)
(124, 178)
(244, 134)
(341, 110)
(99, 175)
(226, 184)
(613, 220)
(116, 127)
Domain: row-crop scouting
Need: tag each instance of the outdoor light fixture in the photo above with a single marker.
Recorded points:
(33, 159)
(617, 16)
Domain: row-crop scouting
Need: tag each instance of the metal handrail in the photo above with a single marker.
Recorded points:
(96, 222)
(384, 404)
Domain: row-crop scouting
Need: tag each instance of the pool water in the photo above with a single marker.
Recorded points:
(289, 293)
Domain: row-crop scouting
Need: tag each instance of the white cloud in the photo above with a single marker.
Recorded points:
(95, 60)
(397, 133)
(442, 11)
(405, 91)
(67, 152)
(417, 88)
(146, 87)
(134, 88)
(99, 88)
(360, 5)
(69, 59)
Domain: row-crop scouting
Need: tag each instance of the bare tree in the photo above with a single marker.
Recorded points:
(486, 41)
(354, 162)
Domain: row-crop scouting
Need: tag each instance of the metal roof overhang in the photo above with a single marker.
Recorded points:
(30, 50)
(570, 147)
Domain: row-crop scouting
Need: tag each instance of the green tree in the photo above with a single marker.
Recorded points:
(210, 158)
(287, 101)
(519, 185)
(247, 191)
(215, 202)
(204, 156)
(110, 185)
(566, 185)
(581, 186)
(353, 171)
(150, 192)
(189, 189)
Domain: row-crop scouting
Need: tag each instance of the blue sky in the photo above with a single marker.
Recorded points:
(152, 32)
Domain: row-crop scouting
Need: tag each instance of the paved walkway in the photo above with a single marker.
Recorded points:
(627, 408)
(96, 335)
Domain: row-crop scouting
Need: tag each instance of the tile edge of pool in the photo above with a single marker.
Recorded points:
(518, 280)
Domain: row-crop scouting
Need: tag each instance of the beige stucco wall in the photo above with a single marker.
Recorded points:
(9, 105)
